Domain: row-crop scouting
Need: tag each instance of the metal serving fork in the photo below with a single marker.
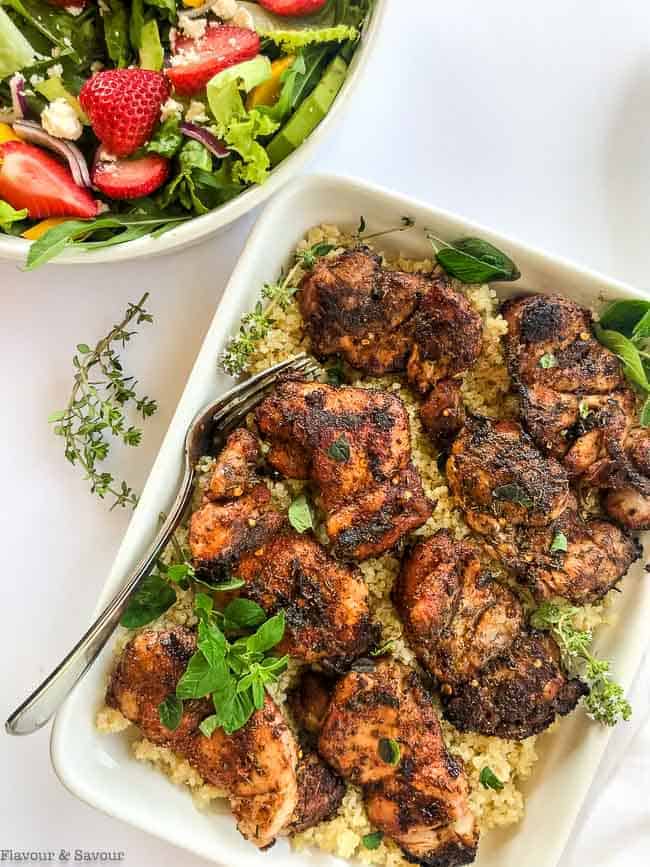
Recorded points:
(207, 432)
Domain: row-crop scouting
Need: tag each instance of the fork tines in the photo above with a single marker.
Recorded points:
(238, 402)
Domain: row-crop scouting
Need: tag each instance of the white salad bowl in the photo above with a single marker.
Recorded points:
(99, 768)
(196, 229)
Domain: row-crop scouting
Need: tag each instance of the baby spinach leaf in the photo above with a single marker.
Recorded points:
(628, 354)
(623, 316)
(170, 712)
(115, 18)
(472, 260)
(300, 514)
(153, 597)
(489, 780)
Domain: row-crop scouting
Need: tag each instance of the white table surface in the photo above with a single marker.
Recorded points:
(532, 118)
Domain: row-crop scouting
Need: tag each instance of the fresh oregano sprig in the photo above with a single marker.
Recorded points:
(606, 702)
(95, 412)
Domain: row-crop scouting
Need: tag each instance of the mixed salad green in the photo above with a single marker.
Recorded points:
(123, 118)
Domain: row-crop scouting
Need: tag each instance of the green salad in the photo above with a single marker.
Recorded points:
(123, 119)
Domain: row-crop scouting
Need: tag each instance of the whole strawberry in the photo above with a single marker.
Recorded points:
(123, 106)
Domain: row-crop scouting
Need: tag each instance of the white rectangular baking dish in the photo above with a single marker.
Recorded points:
(99, 768)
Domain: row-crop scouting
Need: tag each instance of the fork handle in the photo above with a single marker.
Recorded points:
(46, 699)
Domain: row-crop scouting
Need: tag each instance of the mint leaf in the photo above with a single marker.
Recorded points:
(300, 514)
(170, 712)
(152, 598)
(268, 635)
(243, 613)
(489, 780)
(472, 260)
(389, 751)
(373, 840)
(559, 543)
(201, 677)
(339, 450)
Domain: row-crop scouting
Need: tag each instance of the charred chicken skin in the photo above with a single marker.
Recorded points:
(325, 602)
(381, 733)
(496, 676)
(520, 499)
(575, 403)
(501, 480)
(354, 444)
(256, 765)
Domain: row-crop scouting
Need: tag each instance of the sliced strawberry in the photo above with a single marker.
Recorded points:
(129, 179)
(195, 61)
(32, 179)
(295, 8)
(123, 106)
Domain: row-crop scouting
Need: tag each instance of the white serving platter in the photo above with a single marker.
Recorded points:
(198, 228)
(99, 768)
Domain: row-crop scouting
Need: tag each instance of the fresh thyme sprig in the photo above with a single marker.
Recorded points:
(100, 394)
(606, 702)
(257, 324)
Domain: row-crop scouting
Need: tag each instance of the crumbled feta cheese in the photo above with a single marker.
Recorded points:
(196, 112)
(243, 18)
(55, 51)
(54, 71)
(102, 207)
(170, 108)
(96, 66)
(225, 9)
(74, 10)
(60, 120)
(184, 57)
(192, 27)
(35, 79)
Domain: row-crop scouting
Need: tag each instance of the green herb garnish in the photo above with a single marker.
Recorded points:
(309, 257)
(152, 598)
(624, 328)
(170, 712)
(335, 372)
(234, 673)
(383, 649)
(100, 393)
(472, 260)
(300, 514)
(372, 840)
(489, 780)
(339, 450)
(513, 493)
(547, 361)
(606, 702)
(389, 751)
(583, 409)
(559, 543)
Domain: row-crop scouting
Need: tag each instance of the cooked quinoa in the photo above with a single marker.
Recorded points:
(485, 390)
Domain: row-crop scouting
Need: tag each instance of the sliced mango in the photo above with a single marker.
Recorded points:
(7, 133)
(39, 229)
(268, 92)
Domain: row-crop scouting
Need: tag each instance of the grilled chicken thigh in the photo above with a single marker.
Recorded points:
(354, 444)
(501, 480)
(597, 556)
(520, 499)
(354, 307)
(256, 765)
(320, 792)
(384, 321)
(456, 617)
(496, 676)
(381, 733)
(442, 412)
(325, 602)
(575, 403)
(518, 694)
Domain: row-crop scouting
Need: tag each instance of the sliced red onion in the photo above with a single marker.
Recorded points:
(18, 100)
(207, 139)
(33, 132)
